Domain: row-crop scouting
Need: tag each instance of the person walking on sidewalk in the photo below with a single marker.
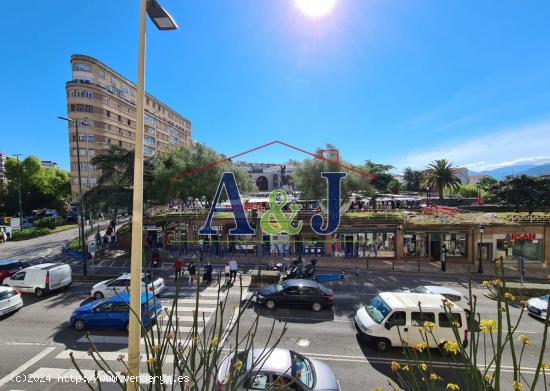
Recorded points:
(191, 270)
(233, 267)
(177, 267)
(227, 271)
(207, 273)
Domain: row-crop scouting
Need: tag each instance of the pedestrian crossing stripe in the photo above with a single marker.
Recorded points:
(190, 309)
(107, 356)
(122, 339)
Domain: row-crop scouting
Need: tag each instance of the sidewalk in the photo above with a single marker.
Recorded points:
(535, 271)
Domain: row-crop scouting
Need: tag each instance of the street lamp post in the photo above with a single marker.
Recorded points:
(82, 235)
(427, 196)
(163, 21)
(480, 262)
(19, 190)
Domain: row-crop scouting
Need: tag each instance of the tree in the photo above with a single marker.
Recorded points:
(394, 186)
(441, 174)
(486, 182)
(41, 187)
(413, 179)
(114, 188)
(380, 176)
(519, 191)
(203, 183)
(308, 180)
(467, 191)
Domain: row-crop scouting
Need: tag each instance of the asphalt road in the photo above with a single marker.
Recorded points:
(36, 339)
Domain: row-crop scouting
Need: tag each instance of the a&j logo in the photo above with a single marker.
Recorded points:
(275, 221)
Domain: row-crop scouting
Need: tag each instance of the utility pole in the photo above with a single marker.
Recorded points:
(19, 189)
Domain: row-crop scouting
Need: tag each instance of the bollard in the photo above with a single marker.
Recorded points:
(357, 271)
(342, 274)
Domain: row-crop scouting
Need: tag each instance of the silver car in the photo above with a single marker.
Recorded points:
(448, 293)
(537, 306)
(283, 370)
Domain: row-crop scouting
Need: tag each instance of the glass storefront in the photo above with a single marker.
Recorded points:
(456, 244)
(380, 244)
(415, 244)
(531, 250)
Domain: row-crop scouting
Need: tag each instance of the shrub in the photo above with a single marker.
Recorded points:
(29, 233)
(48, 222)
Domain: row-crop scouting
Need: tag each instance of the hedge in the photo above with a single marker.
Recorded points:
(29, 233)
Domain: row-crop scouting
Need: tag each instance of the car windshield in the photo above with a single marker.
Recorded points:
(281, 287)
(322, 288)
(420, 289)
(6, 294)
(378, 309)
(302, 369)
(545, 297)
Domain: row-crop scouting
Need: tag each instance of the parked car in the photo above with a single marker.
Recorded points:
(279, 369)
(41, 279)
(537, 306)
(8, 267)
(114, 312)
(392, 317)
(306, 293)
(449, 293)
(121, 284)
(10, 300)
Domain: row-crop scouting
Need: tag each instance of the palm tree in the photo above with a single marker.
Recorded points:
(441, 174)
(413, 179)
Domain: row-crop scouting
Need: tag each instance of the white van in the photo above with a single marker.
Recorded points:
(41, 279)
(392, 317)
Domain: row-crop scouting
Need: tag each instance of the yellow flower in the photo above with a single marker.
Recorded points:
(152, 361)
(517, 386)
(377, 388)
(155, 348)
(238, 365)
(423, 366)
(488, 325)
(497, 282)
(215, 341)
(524, 339)
(405, 368)
(428, 326)
(451, 347)
(395, 366)
(508, 296)
(124, 372)
(434, 376)
(120, 357)
(453, 387)
(420, 346)
(404, 342)
(523, 303)
(545, 365)
(486, 284)
(389, 382)
(489, 378)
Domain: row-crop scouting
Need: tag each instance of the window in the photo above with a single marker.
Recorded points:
(398, 318)
(108, 127)
(72, 107)
(108, 113)
(101, 73)
(378, 309)
(149, 140)
(455, 244)
(91, 137)
(415, 244)
(147, 100)
(80, 66)
(446, 319)
(89, 109)
(418, 318)
(89, 94)
(258, 381)
(148, 150)
(119, 143)
(120, 118)
(129, 122)
(19, 276)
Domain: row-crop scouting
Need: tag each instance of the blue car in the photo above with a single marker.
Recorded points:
(114, 312)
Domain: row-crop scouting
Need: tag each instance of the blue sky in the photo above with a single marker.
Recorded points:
(399, 82)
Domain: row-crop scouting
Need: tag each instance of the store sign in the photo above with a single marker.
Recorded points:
(521, 236)
(274, 221)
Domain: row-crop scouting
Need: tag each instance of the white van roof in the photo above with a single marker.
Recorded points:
(407, 300)
(45, 266)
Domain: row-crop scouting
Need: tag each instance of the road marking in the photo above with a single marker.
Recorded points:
(25, 365)
(107, 356)
(190, 309)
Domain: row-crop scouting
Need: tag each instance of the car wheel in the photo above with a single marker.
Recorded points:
(382, 345)
(39, 292)
(317, 307)
(270, 304)
(79, 325)
(98, 295)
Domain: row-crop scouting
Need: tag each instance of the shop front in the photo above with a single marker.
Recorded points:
(526, 242)
(432, 243)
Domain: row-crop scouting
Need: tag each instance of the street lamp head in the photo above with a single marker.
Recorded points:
(481, 228)
(64, 118)
(159, 16)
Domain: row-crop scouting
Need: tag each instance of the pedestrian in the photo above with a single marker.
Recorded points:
(226, 271)
(97, 237)
(207, 273)
(191, 270)
(233, 267)
(92, 249)
(3, 237)
(177, 267)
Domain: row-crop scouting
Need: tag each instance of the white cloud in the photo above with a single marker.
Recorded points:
(519, 145)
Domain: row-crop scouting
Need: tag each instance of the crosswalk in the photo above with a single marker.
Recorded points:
(112, 345)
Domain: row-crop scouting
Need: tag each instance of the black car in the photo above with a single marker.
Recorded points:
(304, 293)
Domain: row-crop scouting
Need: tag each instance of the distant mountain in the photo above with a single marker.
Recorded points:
(520, 169)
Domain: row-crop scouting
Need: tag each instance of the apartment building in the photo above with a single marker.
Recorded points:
(105, 101)
(3, 180)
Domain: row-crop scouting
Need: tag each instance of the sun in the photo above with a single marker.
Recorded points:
(315, 8)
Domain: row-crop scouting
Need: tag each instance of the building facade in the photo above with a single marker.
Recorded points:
(105, 101)
(3, 180)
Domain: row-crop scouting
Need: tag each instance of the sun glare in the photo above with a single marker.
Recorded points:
(315, 8)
